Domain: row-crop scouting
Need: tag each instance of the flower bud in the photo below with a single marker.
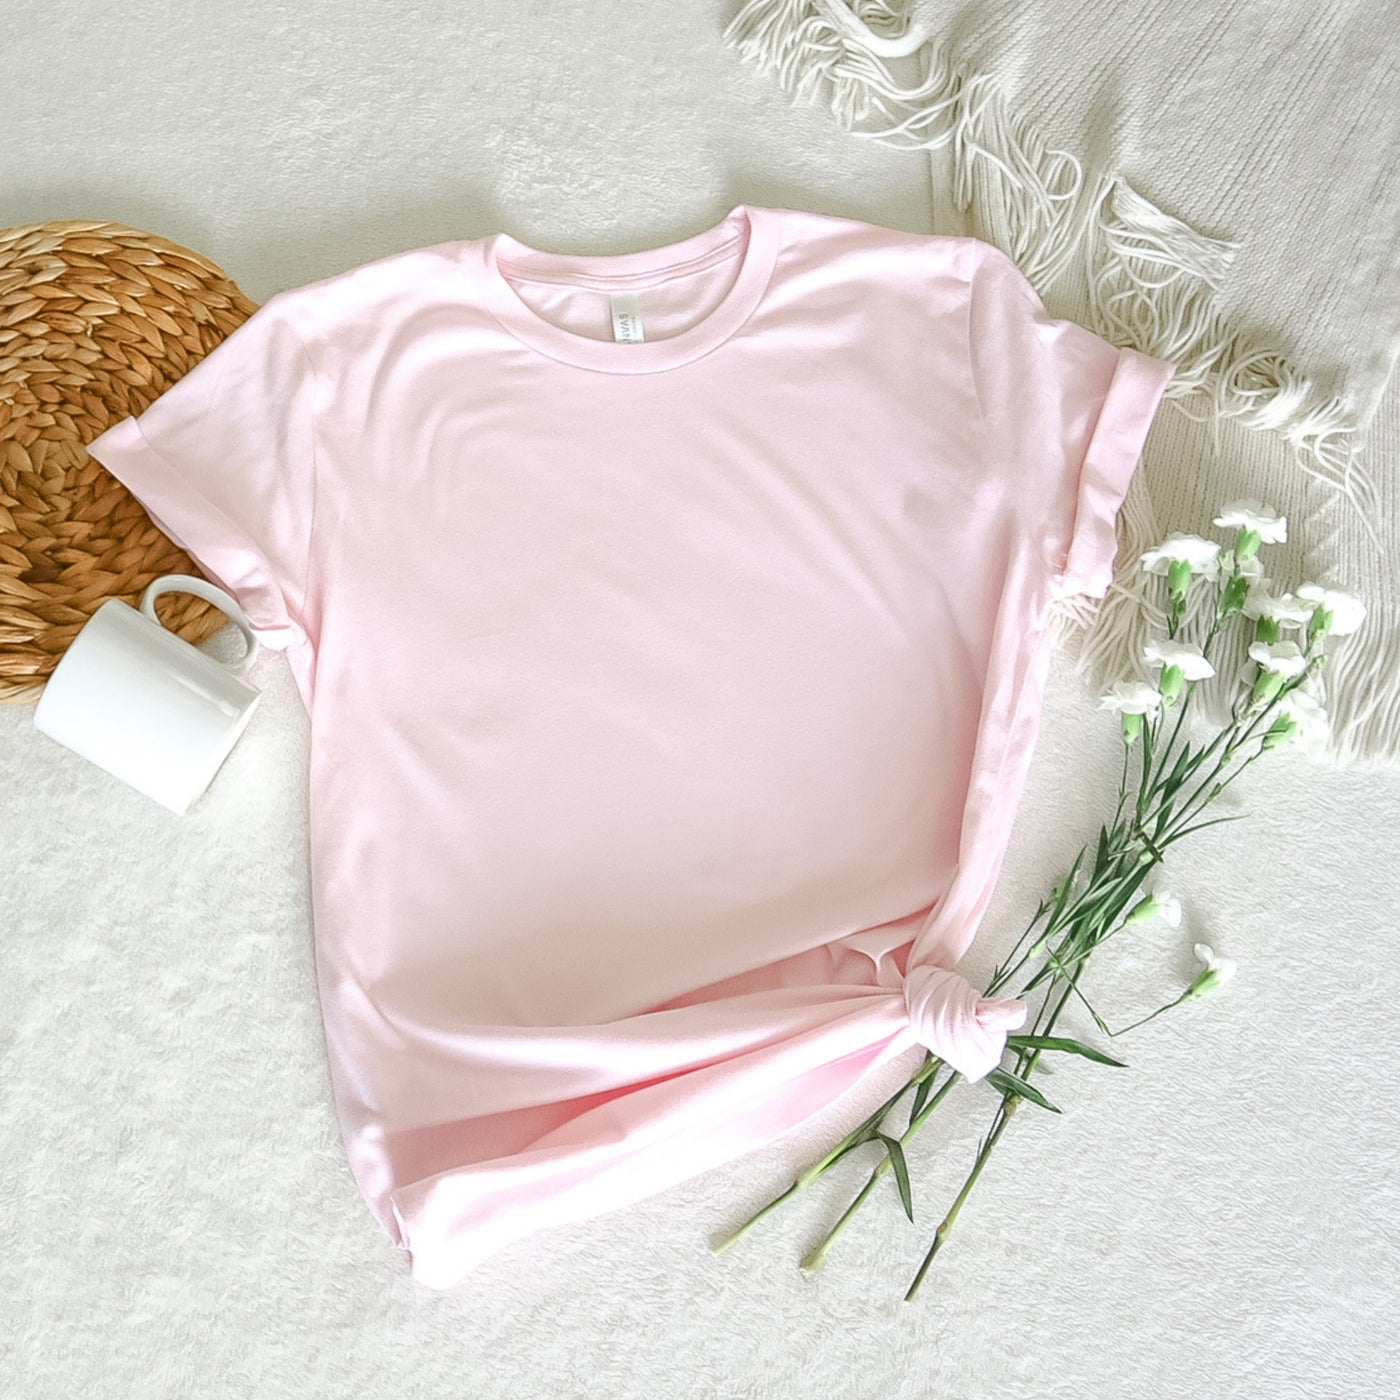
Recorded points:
(1179, 578)
(1207, 981)
(1132, 728)
(1267, 629)
(1246, 544)
(1159, 904)
(1232, 599)
(1213, 976)
(1170, 684)
(1320, 625)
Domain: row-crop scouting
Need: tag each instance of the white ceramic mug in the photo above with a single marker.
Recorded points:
(141, 702)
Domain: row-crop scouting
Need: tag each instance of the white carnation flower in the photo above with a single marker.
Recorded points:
(1348, 612)
(1189, 660)
(1160, 904)
(1284, 608)
(1312, 730)
(1199, 555)
(1131, 698)
(1281, 658)
(1304, 709)
(1254, 515)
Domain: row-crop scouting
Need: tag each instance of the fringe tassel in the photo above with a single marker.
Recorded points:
(1152, 282)
(1152, 286)
(1361, 681)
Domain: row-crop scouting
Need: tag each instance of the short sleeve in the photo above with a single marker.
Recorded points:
(224, 463)
(1065, 416)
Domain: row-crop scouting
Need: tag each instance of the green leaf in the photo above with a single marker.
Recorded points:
(1201, 826)
(1060, 1042)
(920, 1098)
(1044, 975)
(901, 1173)
(1178, 772)
(1062, 891)
(1008, 1083)
(1062, 968)
(1099, 913)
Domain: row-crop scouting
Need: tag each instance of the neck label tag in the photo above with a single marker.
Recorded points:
(626, 316)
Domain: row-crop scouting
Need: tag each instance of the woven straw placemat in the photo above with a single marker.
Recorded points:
(97, 320)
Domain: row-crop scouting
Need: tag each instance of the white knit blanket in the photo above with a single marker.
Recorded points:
(1212, 185)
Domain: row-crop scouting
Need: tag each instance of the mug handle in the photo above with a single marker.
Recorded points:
(188, 583)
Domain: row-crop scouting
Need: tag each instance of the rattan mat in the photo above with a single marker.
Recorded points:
(96, 321)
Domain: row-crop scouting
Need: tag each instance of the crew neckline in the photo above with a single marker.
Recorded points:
(752, 231)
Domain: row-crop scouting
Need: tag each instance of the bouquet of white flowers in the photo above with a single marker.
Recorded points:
(1166, 784)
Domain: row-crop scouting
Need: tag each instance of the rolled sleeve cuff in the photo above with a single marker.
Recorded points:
(1114, 451)
(179, 510)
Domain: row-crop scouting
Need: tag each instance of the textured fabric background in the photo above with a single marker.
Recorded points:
(176, 1217)
(1276, 127)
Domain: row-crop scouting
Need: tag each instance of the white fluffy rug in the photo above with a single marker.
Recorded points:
(176, 1217)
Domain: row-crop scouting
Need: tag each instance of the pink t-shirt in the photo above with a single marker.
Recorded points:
(670, 699)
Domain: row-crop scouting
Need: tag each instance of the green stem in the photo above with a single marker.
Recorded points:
(1150, 1017)
(1263, 719)
(1143, 789)
(1176, 733)
(817, 1255)
(814, 1259)
(1117, 875)
(1122, 788)
(1214, 785)
(1025, 1065)
(1007, 972)
(1013, 963)
(940, 1237)
(865, 1132)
